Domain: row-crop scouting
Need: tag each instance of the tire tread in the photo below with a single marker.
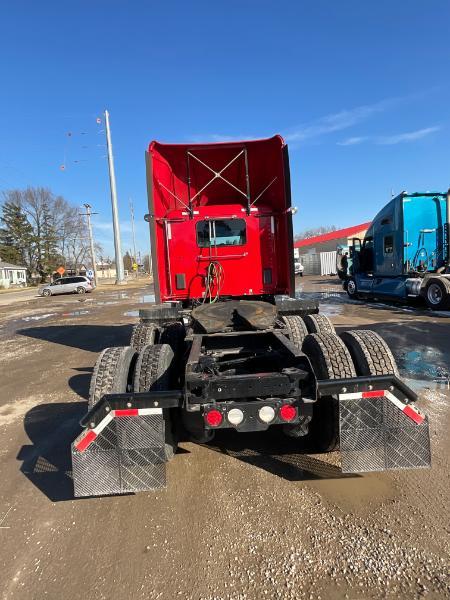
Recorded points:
(296, 329)
(370, 353)
(110, 373)
(319, 324)
(143, 334)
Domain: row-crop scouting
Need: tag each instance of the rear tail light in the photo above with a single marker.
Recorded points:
(235, 416)
(266, 414)
(288, 413)
(213, 418)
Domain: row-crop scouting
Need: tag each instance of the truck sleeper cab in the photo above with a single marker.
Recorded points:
(220, 220)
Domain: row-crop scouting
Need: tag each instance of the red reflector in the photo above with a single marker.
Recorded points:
(86, 441)
(288, 412)
(213, 418)
(126, 412)
(373, 394)
(413, 414)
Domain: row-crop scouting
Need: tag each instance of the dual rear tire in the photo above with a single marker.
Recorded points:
(297, 328)
(122, 369)
(145, 333)
(354, 353)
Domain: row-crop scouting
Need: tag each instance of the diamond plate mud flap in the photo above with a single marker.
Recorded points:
(378, 432)
(124, 453)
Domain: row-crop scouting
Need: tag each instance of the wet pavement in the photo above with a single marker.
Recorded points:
(417, 336)
(245, 518)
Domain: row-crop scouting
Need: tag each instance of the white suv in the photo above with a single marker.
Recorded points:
(67, 285)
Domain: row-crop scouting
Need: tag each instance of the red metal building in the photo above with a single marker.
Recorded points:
(318, 253)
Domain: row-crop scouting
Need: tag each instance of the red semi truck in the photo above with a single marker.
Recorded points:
(227, 344)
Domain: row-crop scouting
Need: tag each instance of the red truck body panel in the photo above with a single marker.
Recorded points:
(227, 204)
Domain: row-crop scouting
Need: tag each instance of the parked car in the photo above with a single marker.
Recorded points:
(298, 268)
(67, 285)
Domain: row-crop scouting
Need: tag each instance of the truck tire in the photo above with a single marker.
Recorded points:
(318, 324)
(296, 329)
(351, 289)
(153, 372)
(330, 359)
(437, 293)
(143, 335)
(173, 334)
(111, 373)
(370, 353)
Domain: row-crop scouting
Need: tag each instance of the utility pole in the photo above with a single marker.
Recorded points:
(120, 277)
(134, 236)
(88, 214)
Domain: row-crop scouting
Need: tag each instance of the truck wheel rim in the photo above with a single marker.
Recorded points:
(351, 287)
(434, 294)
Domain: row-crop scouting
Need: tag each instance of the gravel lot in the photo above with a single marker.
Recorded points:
(245, 518)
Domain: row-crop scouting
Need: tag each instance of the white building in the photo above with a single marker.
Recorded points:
(11, 275)
(106, 270)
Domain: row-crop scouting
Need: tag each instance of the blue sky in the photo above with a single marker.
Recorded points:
(360, 91)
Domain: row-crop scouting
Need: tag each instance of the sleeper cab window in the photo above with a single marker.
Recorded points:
(388, 244)
(221, 232)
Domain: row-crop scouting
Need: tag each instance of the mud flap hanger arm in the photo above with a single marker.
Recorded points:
(367, 383)
(130, 401)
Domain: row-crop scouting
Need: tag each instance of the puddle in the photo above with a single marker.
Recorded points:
(419, 385)
(424, 369)
(147, 298)
(38, 317)
(331, 310)
(118, 295)
(423, 364)
(329, 294)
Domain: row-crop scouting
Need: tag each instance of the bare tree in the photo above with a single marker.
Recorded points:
(57, 232)
(309, 233)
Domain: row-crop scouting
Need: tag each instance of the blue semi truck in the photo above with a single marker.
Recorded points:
(405, 253)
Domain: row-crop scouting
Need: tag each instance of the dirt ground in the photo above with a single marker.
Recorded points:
(247, 517)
